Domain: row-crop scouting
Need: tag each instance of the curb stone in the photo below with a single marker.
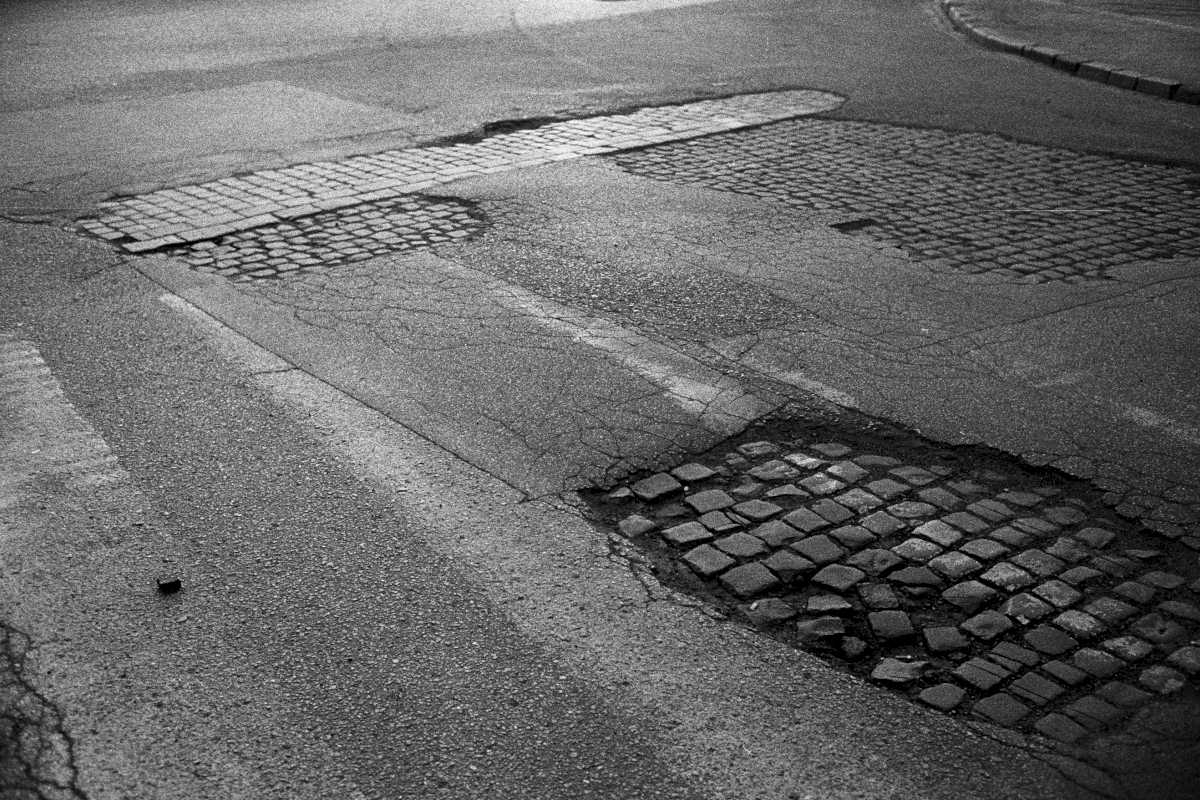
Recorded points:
(964, 21)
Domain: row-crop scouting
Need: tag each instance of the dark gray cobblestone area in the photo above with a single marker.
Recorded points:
(962, 579)
(964, 202)
(334, 237)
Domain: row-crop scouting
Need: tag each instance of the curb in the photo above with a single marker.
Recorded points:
(964, 21)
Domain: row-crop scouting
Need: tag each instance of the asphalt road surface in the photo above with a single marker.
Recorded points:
(364, 474)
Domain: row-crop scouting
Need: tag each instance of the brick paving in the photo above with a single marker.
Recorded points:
(224, 207)
(966, 202)
(973, 590)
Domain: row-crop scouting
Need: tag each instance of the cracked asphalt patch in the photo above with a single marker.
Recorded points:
(960, 578)
(973, 203)
(37, 759)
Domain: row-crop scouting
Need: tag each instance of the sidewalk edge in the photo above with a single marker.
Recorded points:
(965, 22)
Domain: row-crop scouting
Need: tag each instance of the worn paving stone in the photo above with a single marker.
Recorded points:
(917, 550)
(1067, 550)
(741, 545)
(832, 449)
(804, 520)
(788, 566)
(887, 488)
(1162, 680)
(1038, 563)
(749, 580)
(944, 639)
(814, 630)
(774, 472)
(758, 449)
(991, 510)
(819, 549)
(955, 566)
(969, 595)
(656, 486)
(1080, 625)
(1096, 538)
(987, 625)
(942, 498)
(875, 562)
(1157, 629)
(853, 648)
(636, 525)
(1024, 608)
(981, 674)
(944, 696)
(1094, 713)
(852, 537)
(1036, 689)
(1186, 659)
(1050, 641)
(1180, 610)
(1122, 694)
(786, 491)
(1137, 592)
(1062, 728)
(911, 509)
(719, 522)
(776, 533)
(882, 523)
(914, 475)
(692, 473)
(1001, 708)
(878, 596)
(1109, 610)
(915, 577)
(832, 511)
(1097, 663)
(1058, 594)
(828, 604)
(890, 625)
(687, 533)
(985, 550)
(1015, 653)
(838, 577)
(768, 612)
(847, 471)
(859, 500)
(938, 532)
(966, 522)
(895, 672)
(1011, 537)
(709, 500)
(1072, 676)
(707, 560)
(821, 484)
(757, 510)
(1163, 580)
(1008, 577)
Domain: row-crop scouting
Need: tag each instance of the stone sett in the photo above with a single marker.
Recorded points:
(853, 537)
(955, 566)
(882, 523)
(774, 472)
(707, 561)
(944, 696)
(1010, 536)
(1038, 563)
(875, 562)
(819, 549)
(911, 509)
(832, 511)
(914, 475)
(1068, 550)
(847, 471)
(969, 595)
(943, 499)
(1002, 708)
(718, 522)
(917, 550)
(687, 533)
(878, 596)
(821, 484)
(805, 520)
(757, 510)
(1080, 625)
(886, 488)
(1050, 641)
(838, 577)
(1036, 689)
(741, 545)
(692, 473)
(987, 625)
(890, 625)
(709, 500)
(636, 525)
(1109, 610)
(1062, 728)
(828, 604)
(1097, 663)
(1157, 629)
(939, 532)
(1094, 713)
(944, 639)
(1024, 608)
(1186, 659)
(981, 674)
(984, 549)
(789, 566)
(656, 486)
(1007, 577)
(1072, 676)
(859, 500)
(1058, 594)
(749, 580)
(1162, 680)
(777, 533)
(1122, 694)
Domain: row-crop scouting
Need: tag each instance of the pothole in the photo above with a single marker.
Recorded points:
(334, 237)
(958, 577)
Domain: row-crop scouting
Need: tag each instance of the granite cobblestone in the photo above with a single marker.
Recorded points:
(1026, 611)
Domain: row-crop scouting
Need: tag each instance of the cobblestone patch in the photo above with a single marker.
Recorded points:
(959, 201)
(333, 237)
(967, 582)
(219, 208)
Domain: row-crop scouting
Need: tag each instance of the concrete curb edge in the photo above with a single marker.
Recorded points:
(964, 21)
